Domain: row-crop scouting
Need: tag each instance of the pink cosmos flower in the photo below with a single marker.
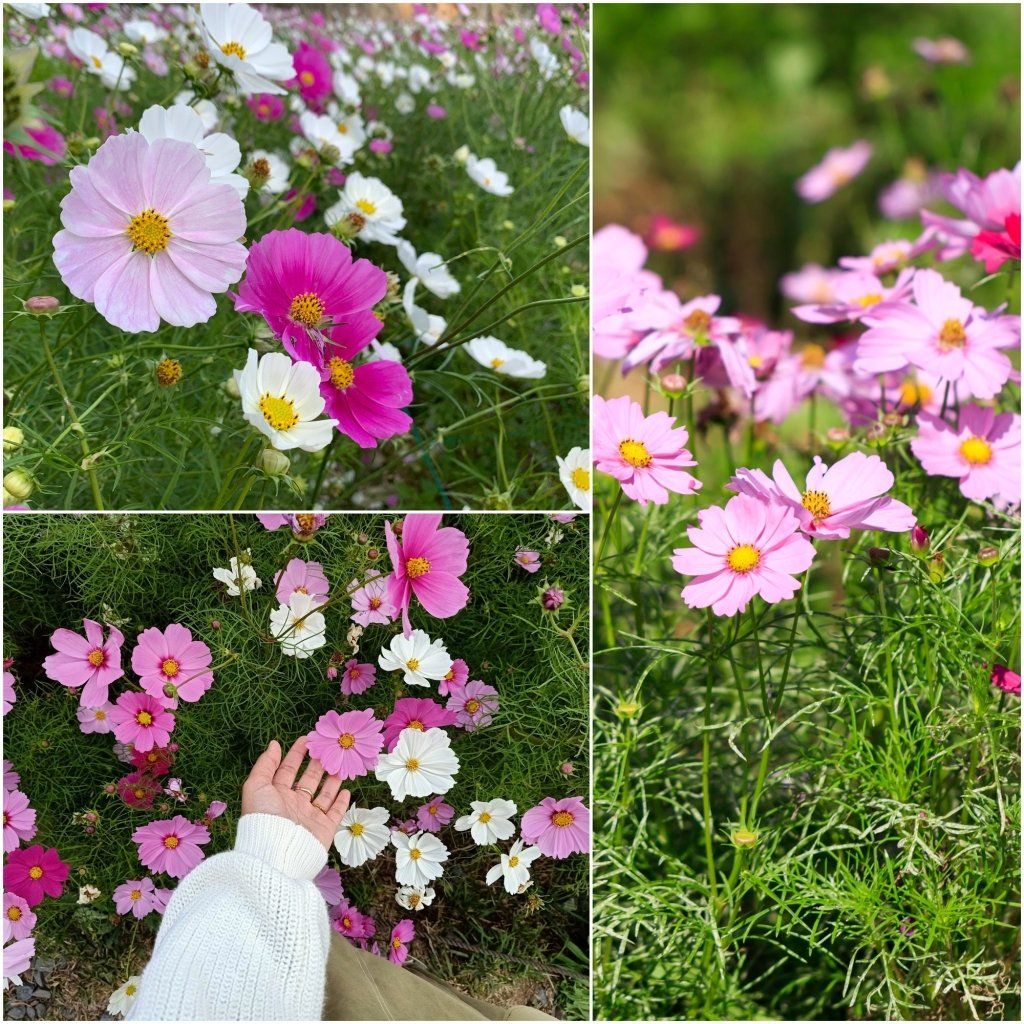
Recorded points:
(456, 677)
(1006, 679)
(983, 452)
(312, 73)
(357, 678)
(170, 664)
(90, 662)
(214, 811)
(303, 525)
(11, 778)
(434, 815)
(645, 454)
(265, 106)
(147, 236)
(994, 248)
(945, 50)
(427, 562)
(850, 494)
(838, 167)
(141, 720)
(19, 919)
(528, 560)
(941, 332)
(95, 720)
(370, 602)
(300, 577)
(668, 235)
(558, 828)
(749, 547)
(348, 921)
(474, 705)
(619, 280)
(135, 897)
(812, 283)
(418, 713)
(18, 957)
(401, 935)
(19, 820)
(855, 293)
(172, 846)
(887, 257)
(161, 897)
(47, 146)
(137, 789)
(347, 744)
(329, 884)
(34, 872)
(10, 697)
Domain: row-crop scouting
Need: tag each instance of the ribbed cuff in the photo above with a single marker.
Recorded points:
(282, 844)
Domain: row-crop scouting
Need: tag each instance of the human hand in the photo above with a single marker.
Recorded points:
(271, 789)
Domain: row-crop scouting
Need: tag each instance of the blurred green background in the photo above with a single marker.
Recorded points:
(710, 112)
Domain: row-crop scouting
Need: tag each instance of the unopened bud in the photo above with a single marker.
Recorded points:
(673, 384)
(552, 599)
(231, 387)
(837, 435)
(627, 709)
(14, 437)
(568, 768)
(127, 49)
(330, 154)
(988, 555)
(42, 305)
(919, 539)
(202, 59)
(18, 485)
(461, 154)
(936, 567)
(578, 291)
(273, 462)
(743, 837)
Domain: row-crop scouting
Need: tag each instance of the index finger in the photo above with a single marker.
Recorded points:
(267, 763)
(285, 774)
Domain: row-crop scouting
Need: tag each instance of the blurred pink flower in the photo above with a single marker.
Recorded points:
(668, 235)
(300, 577)
(1006, 679)
(838, 167)
(95, 720)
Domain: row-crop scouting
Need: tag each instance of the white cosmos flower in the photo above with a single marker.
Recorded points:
(417, 656)
(378, 207)
(427, 327)
(546, 60)
(240, 576)
(298, 626)
(204, 108)
(422, 764)
(349, 124)
(32, 11)
(362, 834)
(138, 30)
(489, 822)
(221, 152)
(346, 88)
(418, 78)
(240, 39)
(405, 104)
(486, 174)
(277, 168)
(514, 868)
(496, 355)
(576, 124)
(419, 858)
(99, 59)
(429, 268)
(414, 897)
(123, 999)
(282, 400)
(575, 472)
(320, 131)
(382, 350)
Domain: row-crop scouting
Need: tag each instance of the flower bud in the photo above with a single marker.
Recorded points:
(936, 567)
(919, 539)
(202, 59)
(257, 172)
(627, 709)
(18, 485)
(552, 599)
(560, 241)
(42, 305)
(231, 388)
(568, 768)
(988, 555)
(578, 291)
(273, 462)
(743, 837)
(461, 154)
(330, 154)
(673, 384)
(127, 49)
(14, 438)
(837, 436)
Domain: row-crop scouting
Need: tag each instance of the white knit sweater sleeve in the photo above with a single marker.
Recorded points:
(245, 935)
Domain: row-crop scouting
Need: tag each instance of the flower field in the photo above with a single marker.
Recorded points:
(434, 670)
(807, 513)
(329, 255)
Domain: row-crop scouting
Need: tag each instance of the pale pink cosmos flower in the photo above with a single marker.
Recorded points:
(941, 332)
(170, 664)
(347, 744)
(356, 677)
(748, 548)
(944, 50)
(371, 603)
(90, 661)
(10, 697)
(812, 283)
(855, 293)
(11, 778)
(329, 884)
(558, 828)
(457, 676)
(848, 495)
(528, 560)
(434, 815)
(19, 820)
(173, 846)
(161, 897)
(141, 720)
(135, 897)
(19, 918)
(427, 561)
(982, 453)
(303, 525)
(17, 958)
(95, 720)
(474, 704)
(147, 236)
(887, 257)
(837, 168)
(401, 935)
(619, 280)
(647, 455)
(300, 577)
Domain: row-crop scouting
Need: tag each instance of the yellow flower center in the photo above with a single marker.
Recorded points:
(484, 818)
(952, 335)
(135, 894)
(346, 740)
(581, 479)
(130, 990)
(306, 309)
(35, 872)
(171, 842)
(356, 829)
(96, 62)
(413, 899)
(412, 764)
(412, 664)
(365, 205)
(697, 322)
(817, 503)
(169, 667)
(871, 299)
(306, 78)
(14, 913)
(472, 705)
(100, 715)
(343, 130)
(415, 724)
(976, 451)
(168, 372)
(138, 792)
(396, 943)
(754, 361)
(432, 809)
(232, 48)
(414, 854)
(342, 374)
(743, 558)
(149, 231)
(635, 453)
(497, 362)
(914, 393)
(812, 356)
(375, 603)
(417, 567)
(563, 819)
(144, 718)
(279, 412)
(97, 657)
(513, 862)
(306, 521)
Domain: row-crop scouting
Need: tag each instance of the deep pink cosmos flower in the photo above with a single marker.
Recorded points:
(95, 720)
(401, 935)
(474, 705)
(348, 921)
(346, 744)
(19, 820)
(528, 560)
(370, 602)
(418, 713)
(19, 919)
(749, 547)
(156, 761)
(329, 884)
(838, 167)
(135, 897)
(137, 789)
(983, 452)
(266, 106)
(47, 146)
(141, 720)
(457, 676)
(434, 815)
(312, 73)
(849, 495)
(427, 562)
(170, 664)
(558, 828)
(173, 846)
(90, 662)
(647, 455)
(300, 577)
(147, 235)
(34, 872)
(994, 248)
(1006, 679)
(668, 235)
(356, 677)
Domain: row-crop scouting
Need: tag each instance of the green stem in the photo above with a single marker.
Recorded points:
(607, 529)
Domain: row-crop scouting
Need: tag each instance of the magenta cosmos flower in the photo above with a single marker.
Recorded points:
(137, 789)
(427, 560)
(457, 676)
(557, 828)
(141, 720)
(300, 577)
(849, 495)
(370, 602)
(19, 820)
(434, 815)
(348, 921)
(34, 872)
(10, 697)
(983, 453)
(419, 713)
(90, 662)
(401, 935)
(347, 744)
(943, 333)
(647, 455)
(170, 664)
(749, 547)
(838, 167)
(474, 705)
(172, 846)
(312, 73)
(147, 236)
(135, 897)
(1006, 679)
(357, 677)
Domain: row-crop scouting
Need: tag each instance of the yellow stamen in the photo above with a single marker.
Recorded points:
(952, 335)
(871, 299)
(144, 718)
(976, 451)
(171, 842)
(497, 362)
(356, 828)
(812, 356)
(817, 503)
(563, 819)
(415, 724)
(365, 205)
(279, 412)
(346, 740)
(697, 322)
(97, 657)
(412, 764)
(484, 818)
(472, 705)
(233, 48)
(635, 453)
(169, 667)
(581, 479)
(513, 862)
(149, 231)
(412, 664)
(416, 567)
(35, 872)
(307, 309)
(743, 558)
(342, 374)
(414, 854)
